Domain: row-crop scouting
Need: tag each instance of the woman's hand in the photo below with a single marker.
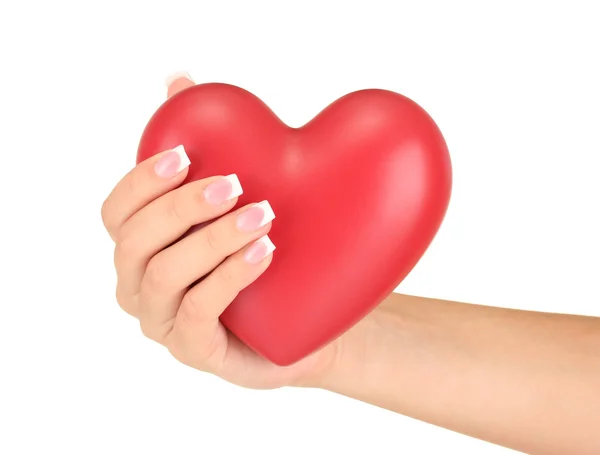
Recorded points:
(146, 215)
(525, 380)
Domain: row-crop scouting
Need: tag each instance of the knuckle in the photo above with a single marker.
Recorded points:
(157, 276)
(147, 330)
(106, 215)
(120, 298)
(212, 238)
(178, 351)
(189, 355)
(126, 247)
(153, 329)
(177, 208)
(200, 350)
(125, 302)
(192, 311)
(134, 181)
(228, 278)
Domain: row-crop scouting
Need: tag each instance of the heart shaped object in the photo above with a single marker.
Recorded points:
(359, 193)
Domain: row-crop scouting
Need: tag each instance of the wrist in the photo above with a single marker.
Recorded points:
(365, 355)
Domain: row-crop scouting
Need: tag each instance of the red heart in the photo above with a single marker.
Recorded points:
(359, 193)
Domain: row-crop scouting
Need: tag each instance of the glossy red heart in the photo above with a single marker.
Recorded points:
(359, 193)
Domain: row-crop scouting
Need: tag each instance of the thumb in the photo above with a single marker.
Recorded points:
(177, 82)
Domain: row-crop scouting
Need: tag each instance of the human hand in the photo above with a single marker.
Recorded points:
(146, 214)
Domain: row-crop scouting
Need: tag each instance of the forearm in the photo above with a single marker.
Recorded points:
(525, 380)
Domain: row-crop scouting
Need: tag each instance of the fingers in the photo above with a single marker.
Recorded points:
(177, 82)
(144, 183)
(165, 220)
(170, 272)
(193, 330)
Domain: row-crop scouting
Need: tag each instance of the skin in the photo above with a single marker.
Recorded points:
(529, 381)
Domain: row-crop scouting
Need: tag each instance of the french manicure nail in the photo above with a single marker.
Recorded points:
(223, 190)
(259, 250)
(171, 163)
(177, 75)
(255, 217)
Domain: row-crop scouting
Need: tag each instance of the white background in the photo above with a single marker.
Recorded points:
(514, 88)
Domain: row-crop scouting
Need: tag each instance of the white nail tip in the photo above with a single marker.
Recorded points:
(184, 159)
(269, 215)
(265, 240)
(178, 75)
(236, 186)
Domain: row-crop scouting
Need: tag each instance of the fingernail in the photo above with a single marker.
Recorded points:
(178, 75)
(255, 217)
(172, 163)
(223, 190)
(259, 250)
